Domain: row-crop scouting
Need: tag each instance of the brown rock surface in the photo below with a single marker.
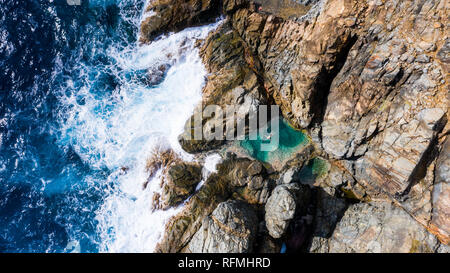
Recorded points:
(234, 176)
(173, 15)
(369, 80)
(441, 194)
(389, 102)
(231, 228)
(232, 80)
(180, 183)
(374, 77)
(377, 228)
(298, 59)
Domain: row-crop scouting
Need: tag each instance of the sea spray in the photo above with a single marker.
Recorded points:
(118, 132)
(210, 167)
(78, 118)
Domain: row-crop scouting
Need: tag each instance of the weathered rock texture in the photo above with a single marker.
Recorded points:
(236, 178)
(297, 58)
(369, 81)
(286, 9)
(180, 183)
(282, 206)
(389, 102)
(441, 193)
(232, 81)
(377, 228)
(173, 15)
(231, 228)
(179, 178)
(373, 76)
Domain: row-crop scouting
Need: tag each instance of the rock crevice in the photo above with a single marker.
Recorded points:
(367, 81)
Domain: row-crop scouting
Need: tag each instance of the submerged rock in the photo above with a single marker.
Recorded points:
(160, 158)
(231, 228)
(155, 75)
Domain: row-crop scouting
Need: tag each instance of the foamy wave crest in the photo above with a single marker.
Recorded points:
(115, 130)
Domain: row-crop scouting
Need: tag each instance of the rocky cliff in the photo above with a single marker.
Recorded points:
(367, 81)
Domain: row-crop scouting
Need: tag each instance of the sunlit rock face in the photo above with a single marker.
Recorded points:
(441, 192)
(375, 228)
(163, 16)
(231, 228)
(362, 88)
(356, 161)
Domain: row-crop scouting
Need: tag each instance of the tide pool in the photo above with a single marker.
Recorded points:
(290, 142)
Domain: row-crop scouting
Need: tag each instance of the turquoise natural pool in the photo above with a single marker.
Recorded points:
(290, 141)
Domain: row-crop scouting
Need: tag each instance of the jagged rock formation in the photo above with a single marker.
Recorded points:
(441, 192)
(236, 178)
(377, 227)
(282, 205)
(298, 59)
(368, 80)
(180, 183)
(173, 15)
(389, 103)
(179, 178)
(231, 228)
(232, 80)
(286, 9)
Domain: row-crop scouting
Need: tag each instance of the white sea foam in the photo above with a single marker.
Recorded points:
(148, 117)
(119, 130)
(209, 168)
(211, 162)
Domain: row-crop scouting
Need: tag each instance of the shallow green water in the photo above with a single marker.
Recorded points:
(290, 141)
(316, 167)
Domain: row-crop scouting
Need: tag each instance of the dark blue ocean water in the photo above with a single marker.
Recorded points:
(48, 194)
